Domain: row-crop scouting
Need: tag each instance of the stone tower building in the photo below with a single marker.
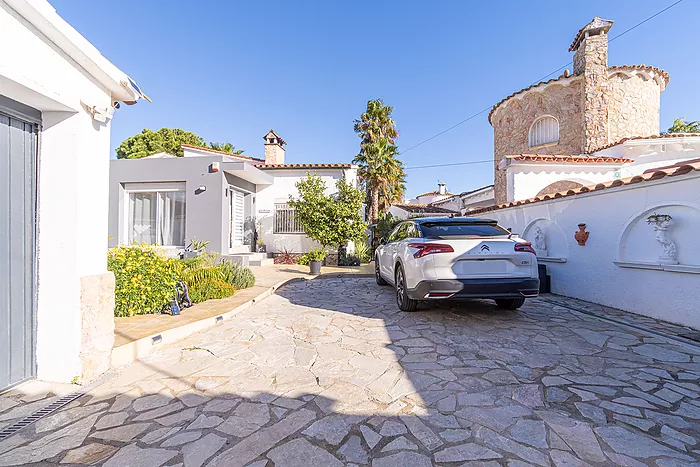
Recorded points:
(577, 113)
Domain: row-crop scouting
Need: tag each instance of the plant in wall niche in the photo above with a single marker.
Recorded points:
(659, 218)
(661, 224)
(260, 246)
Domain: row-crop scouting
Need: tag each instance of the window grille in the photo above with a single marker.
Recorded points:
(285, 220)
(544, 130)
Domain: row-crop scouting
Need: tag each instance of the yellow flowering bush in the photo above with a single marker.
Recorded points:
(145, 279)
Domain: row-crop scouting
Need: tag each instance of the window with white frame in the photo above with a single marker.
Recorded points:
(156, 217)
(285, 221)
(544, 130)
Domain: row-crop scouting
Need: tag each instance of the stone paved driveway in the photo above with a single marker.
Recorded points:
(330, 373)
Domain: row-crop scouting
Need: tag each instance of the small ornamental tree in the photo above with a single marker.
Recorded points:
(331, 220)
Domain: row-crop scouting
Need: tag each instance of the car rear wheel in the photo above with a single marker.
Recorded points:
(377, 275)
(402, 299)
(510, 303)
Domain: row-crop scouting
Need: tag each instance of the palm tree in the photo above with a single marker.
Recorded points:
(226, 147)
(382, 175)
(380, 171)
(376, 123)
(679, 126)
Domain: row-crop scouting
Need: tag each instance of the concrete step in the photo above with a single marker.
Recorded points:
(261, 262)
(249, 259)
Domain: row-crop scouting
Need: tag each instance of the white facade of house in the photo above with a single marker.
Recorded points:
(622, 264)
(469, 200)
(527, 177)
(48, 66)
(279, 192)
(228, 200)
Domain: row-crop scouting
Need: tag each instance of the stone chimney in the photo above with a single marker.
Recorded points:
(590, 49)
(274, 148)
(441, 188)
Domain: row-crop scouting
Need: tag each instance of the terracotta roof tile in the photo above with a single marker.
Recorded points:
(189, 146)
(633, 138)
(304, 166)
(683, 168)
(660, 71)
(580, 159)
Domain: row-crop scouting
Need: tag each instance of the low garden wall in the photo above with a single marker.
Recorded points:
(641, 254)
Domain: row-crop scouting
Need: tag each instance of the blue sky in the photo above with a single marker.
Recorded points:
(230, 71)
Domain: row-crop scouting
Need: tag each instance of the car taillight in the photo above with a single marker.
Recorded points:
(526, 247)
(430, 248)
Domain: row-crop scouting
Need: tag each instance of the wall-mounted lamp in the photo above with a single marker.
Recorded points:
(214, 167)
(200, 189)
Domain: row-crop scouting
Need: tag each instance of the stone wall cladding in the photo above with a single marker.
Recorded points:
(596, 92)
(97, 330)
(634, 106)
(511, 125)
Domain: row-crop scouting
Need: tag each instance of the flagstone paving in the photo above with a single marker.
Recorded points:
(330, 373)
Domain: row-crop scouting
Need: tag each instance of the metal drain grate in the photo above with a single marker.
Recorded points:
(26, 421)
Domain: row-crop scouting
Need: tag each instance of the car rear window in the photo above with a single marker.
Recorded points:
(454, 229)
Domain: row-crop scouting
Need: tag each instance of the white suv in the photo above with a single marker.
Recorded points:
(455, 258)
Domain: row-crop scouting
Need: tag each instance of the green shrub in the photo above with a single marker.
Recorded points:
(313, 255)
(210, 288)
(145, 279)
(238, 276)
(362, 250)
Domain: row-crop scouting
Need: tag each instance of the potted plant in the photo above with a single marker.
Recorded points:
(316, 258)
(260, 246)
(194, 248)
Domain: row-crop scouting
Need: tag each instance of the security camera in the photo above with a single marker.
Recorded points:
(116, 105)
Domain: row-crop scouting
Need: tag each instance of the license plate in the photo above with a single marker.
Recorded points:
(488, 266)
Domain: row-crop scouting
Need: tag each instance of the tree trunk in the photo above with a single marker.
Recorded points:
(374, 210)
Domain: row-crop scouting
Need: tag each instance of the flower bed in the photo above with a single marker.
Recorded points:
(146, 280)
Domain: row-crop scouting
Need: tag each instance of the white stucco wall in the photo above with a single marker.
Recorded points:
(616, 220)
(283, 187)
(72, 184)
(525, 180)
(652, 153)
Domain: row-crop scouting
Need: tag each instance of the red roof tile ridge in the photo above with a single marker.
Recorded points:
(661, 71)
(584, 158)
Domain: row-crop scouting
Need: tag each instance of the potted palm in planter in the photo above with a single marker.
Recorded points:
(315, 260)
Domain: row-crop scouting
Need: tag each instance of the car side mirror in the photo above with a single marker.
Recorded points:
(382, 241)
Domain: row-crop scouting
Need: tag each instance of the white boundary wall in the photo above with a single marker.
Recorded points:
(619, 265)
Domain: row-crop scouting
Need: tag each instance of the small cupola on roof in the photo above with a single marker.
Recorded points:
(274, 148)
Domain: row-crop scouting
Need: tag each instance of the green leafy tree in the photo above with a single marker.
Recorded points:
(226, 147)
(381, 172)
(149, 142)
(680, 126)
(331, 220)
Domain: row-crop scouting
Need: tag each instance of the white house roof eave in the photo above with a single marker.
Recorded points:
(41, 15)
(247, 172)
